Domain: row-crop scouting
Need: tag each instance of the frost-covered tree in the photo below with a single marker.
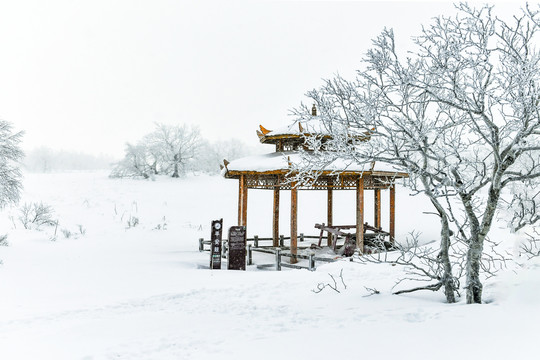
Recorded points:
(168, 150)
(134, 164)
(460, 114)
(10, 155)
(177, 146)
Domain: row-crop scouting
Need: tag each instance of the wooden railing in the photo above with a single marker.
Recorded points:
(254, 245)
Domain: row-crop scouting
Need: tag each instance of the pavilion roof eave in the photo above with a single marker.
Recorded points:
(273, 139)
(235, 174)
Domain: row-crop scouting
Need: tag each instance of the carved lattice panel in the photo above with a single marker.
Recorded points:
(349, 182)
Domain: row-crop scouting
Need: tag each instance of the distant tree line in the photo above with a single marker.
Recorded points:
(44, 159)
(175, 150)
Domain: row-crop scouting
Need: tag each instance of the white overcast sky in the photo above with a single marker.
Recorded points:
(92, 75)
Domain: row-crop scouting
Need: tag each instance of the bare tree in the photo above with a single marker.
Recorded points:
(10, 155)
(460, 114)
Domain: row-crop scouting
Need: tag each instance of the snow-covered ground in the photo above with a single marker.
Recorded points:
(99, 289)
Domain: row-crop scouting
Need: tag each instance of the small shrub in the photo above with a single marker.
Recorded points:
(35, 215)
(3, 240)
(132, 222)
(53, 237)
(162, 226)
(67, 233)
(81, 228)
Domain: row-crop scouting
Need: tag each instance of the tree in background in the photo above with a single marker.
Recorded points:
(212, 154)
(460, 115)
(134, 164)
(168, 150)
(173, 148)
(10, 155)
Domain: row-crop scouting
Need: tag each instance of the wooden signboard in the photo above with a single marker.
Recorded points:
(215, 238)
(237, 248)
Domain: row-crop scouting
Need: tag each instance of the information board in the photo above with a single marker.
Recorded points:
(215, 238)
(237, 248)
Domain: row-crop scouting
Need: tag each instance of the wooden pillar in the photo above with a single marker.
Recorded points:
(392, 212)
(294, 224)
(275, 224)
(377, 208)
(244, 202)
(360, 214)
(330, 208)
(240, 194)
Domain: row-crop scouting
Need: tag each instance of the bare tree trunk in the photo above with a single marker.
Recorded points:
(474, 257)
(175, 173)
(448, 279)
(479, 232)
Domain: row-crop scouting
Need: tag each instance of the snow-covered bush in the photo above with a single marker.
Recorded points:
(34, 215)
(132, 222)
(67, 233)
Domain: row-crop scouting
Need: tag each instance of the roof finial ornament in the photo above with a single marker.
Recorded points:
(314, 110)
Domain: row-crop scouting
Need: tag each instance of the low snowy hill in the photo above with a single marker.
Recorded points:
(120, 277)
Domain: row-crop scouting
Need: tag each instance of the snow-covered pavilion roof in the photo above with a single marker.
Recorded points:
(293, 155)
(297, 130)
(282, 162)
(312, 126)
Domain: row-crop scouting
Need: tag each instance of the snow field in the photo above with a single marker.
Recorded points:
(119, 292)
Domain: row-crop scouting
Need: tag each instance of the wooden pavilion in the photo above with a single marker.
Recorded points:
(273, 172)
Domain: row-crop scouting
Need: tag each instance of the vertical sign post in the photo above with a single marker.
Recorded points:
(237, 248)
(215, 238)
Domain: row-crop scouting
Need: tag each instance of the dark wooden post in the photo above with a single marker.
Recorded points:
(392, 212)
(278, 259)
(330, 208)
(249, 255)
(275, 224)
(360, 214)
(201, 244)
(294, 223)
(377, 209)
